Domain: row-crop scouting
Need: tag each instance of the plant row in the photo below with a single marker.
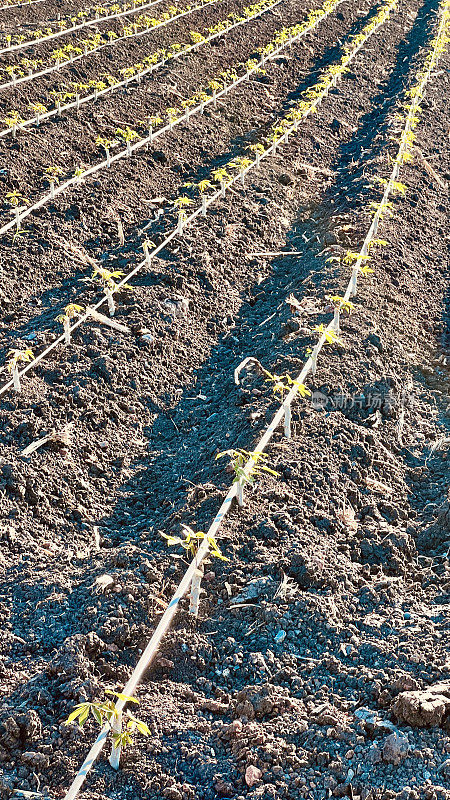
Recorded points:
(225, 177)
(27, 69)
(247, 465)
(12, 4)
(218, 86)
(72, 95)
(14, 42)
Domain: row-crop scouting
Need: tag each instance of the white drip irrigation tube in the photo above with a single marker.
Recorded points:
(278, 419)
(199, 211)
(390, 188)
(81, 26)
(67, 63)
(138, 77)
(146, 140)
(20, 5)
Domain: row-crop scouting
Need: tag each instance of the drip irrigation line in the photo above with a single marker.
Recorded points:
(19, 5)
(138, 77)
(33, 75)
(280, 416)
(88, 23)
(146, 140)
(201, 210)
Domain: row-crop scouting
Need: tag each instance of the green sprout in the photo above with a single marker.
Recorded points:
(71, 311)
(341, 303)
(17, 357)
(331, 336)
(190, 542)
(15, 199)
(105, 711)
(240, 458)
(350, 257)
(204, 185)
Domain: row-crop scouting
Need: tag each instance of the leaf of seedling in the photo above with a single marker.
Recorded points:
(182, 202)
(302, 389)
(79, 709)
(204, 185)
(15, 199)
(365, 270)
(350, 257)
(221, 175)
(191, 542)
(19, 357)
(400, 188)
(340, 302)
(378, 243)
(257, 148)
(71, 310)
(239, 459)
(126, 698)
(330, 336)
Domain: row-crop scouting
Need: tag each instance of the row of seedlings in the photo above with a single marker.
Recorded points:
(27, 70)
(234, 172)
(72, 95)
(219, 86)
(18, 41)
(204, 545)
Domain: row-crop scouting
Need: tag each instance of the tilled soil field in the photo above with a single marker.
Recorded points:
(319, 663)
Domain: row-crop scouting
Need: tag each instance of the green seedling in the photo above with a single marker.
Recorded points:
(331, 336)
(38, 109)
(181, 203)
(17, 201)
(246, 467)
(341, 303)
(13, 120)
(350, 257)
(53, 173)
(191, 540)
(70, 312)
(17, 357)
(107, 144)
(106, 712)
(378, 243)
(128, 135)
(108, 279)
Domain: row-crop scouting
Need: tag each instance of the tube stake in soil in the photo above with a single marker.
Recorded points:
(287, 421)
(114, 758)
(194, 597)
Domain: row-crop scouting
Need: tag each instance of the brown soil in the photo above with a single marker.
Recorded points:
(284, 683)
